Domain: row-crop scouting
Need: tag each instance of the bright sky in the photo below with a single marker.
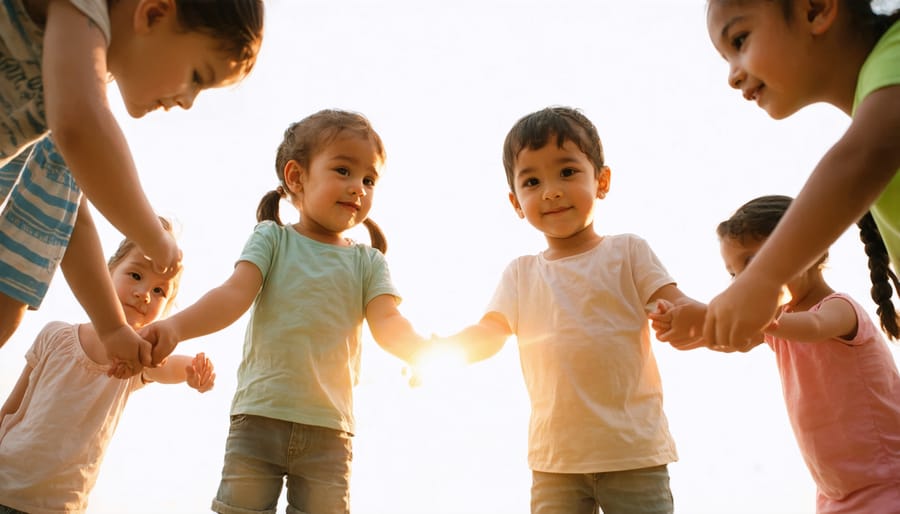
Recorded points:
(442, 83)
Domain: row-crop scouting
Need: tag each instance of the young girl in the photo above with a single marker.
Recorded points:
(784, 55)
(57, 58)
(310, 288)
(61, 414)
(839, 378)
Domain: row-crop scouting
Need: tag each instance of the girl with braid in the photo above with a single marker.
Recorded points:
(839, 378)
(309, 288)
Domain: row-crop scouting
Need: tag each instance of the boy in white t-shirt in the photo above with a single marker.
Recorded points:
(598, 437)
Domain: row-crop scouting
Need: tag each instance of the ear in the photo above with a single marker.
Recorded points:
(148, 14)
(294, 175)
(603, 182)
(820, 14)
(515, 203)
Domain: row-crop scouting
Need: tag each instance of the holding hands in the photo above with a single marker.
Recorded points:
(200, 374)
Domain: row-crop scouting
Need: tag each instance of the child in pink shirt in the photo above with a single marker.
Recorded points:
(840, 381)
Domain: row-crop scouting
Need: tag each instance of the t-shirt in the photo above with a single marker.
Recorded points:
(23, 120)
(584, 344)
(52, 446)
(843, 401)
(882, 69)
(302, 345)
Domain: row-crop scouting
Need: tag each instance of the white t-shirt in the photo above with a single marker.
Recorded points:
(584, 343)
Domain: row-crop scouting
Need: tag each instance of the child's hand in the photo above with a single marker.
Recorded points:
(200, 374)
(162, 335)
(680, 325)
(127, 352)
(737, 317)
(166, 256)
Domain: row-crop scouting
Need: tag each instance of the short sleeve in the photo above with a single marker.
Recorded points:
(881, 68)
(261, 246)
(506, 296)
(649, 273)
(378, 280)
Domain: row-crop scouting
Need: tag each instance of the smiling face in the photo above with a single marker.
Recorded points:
(145, 295)
(161, 66)
(767, 53)
(555, 189)
(335, 192)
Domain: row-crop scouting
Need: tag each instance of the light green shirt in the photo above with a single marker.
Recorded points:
(882, 69)
(302, 346)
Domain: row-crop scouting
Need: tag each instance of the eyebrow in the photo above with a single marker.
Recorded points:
(352, 160)
(728, 25)
(561, 160)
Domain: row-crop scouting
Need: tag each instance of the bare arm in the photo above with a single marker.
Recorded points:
(85, 271)
(483, 339)
(391, 330)
(15, 396)
(197, 371)
(843, 186)
(87, 134)
(835, 319)
(216, 310)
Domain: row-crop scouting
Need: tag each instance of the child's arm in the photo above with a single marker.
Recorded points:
(87, 134)
(483, 339)
(391, 330)
(87, 275)
(197, 371)
(843, 186)
(836, 318)
(15, 396)
(216, 310)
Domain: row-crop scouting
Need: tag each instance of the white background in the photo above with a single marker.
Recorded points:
(442, 83)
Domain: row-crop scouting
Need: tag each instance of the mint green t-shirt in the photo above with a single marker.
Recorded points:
(882, 69)
(302, 345)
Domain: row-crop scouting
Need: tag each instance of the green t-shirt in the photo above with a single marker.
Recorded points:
(882, 69)
(302, 345)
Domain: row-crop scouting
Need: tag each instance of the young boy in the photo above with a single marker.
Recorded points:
(56, 58)
(598, 437)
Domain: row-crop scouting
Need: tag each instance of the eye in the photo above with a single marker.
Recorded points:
(568, 172)
(738, 40)
(197, 79)
(135, 275)
(530, 182)
(160, 292)
(342, 171)
(369, 181)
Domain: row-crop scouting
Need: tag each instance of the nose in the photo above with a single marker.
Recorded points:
(357, 188)
(735, 76)
(551, 192)
(142, 293)
(186, 100)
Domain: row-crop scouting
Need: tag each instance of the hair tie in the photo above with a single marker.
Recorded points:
(280, 191)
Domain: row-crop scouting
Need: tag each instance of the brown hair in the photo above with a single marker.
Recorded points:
(302, 140)
(236, 24)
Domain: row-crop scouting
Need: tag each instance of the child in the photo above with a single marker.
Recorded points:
(784, 55)
(310, 288)
(839, 378)
(598, 437)
(61, 414)
(57, 58)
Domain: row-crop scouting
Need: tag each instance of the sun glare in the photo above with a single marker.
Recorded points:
(436, 364)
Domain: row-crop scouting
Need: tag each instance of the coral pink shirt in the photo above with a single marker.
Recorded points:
(843, 401)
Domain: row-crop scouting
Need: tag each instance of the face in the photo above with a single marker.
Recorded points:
(767, 54)
(144, 294)
(162, 66)
(335, 193)
(737, 255)
(555, 189)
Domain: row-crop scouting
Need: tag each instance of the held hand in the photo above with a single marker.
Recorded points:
(200, 374)
(737, 317)
(680, 324)
(127, 352)
(163, 337)
(165, 256)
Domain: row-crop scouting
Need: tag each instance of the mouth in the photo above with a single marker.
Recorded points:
(557, 210)
(349, 205)
(752, 94)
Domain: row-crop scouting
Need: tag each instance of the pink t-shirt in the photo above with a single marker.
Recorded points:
(843, 400)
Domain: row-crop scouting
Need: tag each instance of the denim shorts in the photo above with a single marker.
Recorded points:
(37, 221)
(9, 510)
(261, 454)
(633, 491)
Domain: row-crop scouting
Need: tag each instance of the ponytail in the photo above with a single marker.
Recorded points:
(376, 235)
(881, 275)
(268, 207)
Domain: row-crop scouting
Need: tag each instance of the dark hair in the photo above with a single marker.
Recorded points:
(127, 245)
(863, 18)
(236, 24)
(302, 140)
(756, 219)
(535, 130)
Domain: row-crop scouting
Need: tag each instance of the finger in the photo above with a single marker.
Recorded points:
(145, 353)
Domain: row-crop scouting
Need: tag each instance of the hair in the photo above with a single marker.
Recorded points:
(236, 24)
(536, 129)
(863, 18)
(303, 140)
(756, 219)
(126, 246)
